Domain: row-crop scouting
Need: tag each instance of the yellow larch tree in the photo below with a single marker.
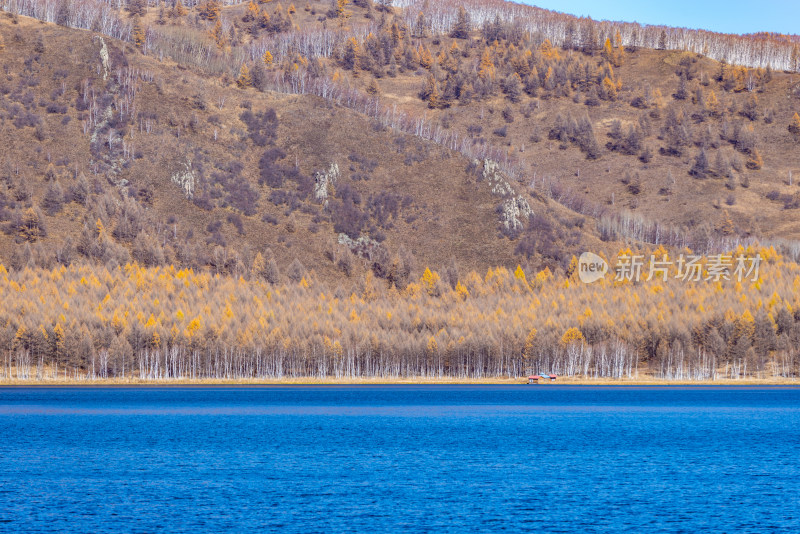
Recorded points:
(252, 12)
(433, 99)
(425, 57)
(210, 10)
(430, 281)
(548, 51)
(530, 344)
(571, 335)
(217, 34)
(244, 80)
(794, 125)
(138, 34)
(341, 12)
(178, 10)
(486, 69)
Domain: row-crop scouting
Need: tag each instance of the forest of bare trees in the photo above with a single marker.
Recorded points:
(777, 51)
(438, 18)
(375, 45)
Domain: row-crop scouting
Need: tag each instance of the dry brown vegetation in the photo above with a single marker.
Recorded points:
(349, 147)
(184, 171)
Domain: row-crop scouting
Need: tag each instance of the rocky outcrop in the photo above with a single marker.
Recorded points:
(185, 179)
(515, 210)
(103, 56)
(363, 247)
(324, 183)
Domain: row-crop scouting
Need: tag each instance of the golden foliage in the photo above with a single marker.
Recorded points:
(480, 319)
(486, 69)
(755, 161)
(572, 335)
(548, 51)
(210, 10)
(138, 34)
(794, 125)
(244, 80)
(425, 58)
(218, 35)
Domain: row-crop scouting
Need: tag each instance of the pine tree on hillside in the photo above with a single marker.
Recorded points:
(218, 35)
(427, 87)
(794, 125)
(244, 80)
(296, 271)
(513, 87)
(258, 266)
(712, 104)
(683, 92)
(259, 76)
(609, 54)
(608, 91)
(339, 8)
(351, 54)
(53, 199)
(251, 13)
(434, 98)
(425, 57)
(136, 7)
(755, 162)
(32, 225)
(700, 167)
(139, 38)
(271, 272)
(373, 88)
(178, 10)
(462, 26)
(210, 10)
(486, 69)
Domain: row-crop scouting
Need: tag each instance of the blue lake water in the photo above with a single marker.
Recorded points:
(400, 458)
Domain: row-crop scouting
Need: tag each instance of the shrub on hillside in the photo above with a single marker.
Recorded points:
(262, 127)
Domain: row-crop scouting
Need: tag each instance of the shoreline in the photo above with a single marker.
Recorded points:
(311, 381)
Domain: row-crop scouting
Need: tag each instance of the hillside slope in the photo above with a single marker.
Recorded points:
(260, 191)
(180, 165)
(131, 158)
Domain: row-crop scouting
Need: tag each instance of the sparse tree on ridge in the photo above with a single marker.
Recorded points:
(462, 26)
